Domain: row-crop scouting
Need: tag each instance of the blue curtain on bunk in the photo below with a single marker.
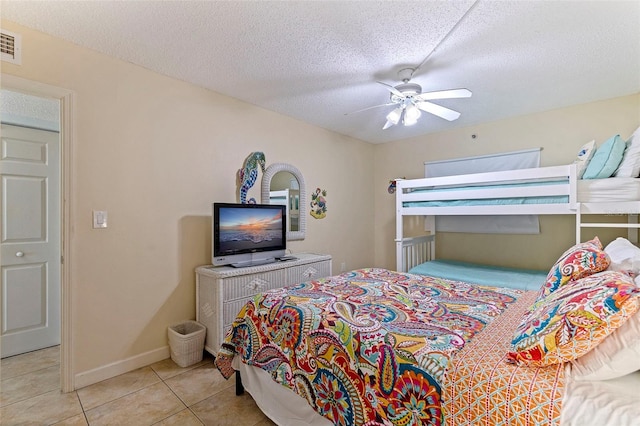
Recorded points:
(511, 224)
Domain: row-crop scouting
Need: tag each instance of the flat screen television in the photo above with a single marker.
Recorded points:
(248, 234)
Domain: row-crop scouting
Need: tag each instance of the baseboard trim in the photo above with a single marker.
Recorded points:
(108, 371)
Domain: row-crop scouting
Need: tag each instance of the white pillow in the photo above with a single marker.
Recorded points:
(616, 356)
(630, 165)
(624, 256)
(584, 156)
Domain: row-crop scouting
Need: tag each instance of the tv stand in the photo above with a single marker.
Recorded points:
(222, 291)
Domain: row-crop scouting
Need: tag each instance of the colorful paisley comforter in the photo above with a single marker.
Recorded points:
(366, 347)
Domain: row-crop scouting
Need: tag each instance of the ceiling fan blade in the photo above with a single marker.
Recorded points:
(392, 89)
(440, 111)
(444, 94)
(368, 108)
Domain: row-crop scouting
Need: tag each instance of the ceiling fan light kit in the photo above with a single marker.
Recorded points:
(409, 101)
(407, 113)
(411, 115)
(393, 117)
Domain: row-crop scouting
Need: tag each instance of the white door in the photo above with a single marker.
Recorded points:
(30, 239)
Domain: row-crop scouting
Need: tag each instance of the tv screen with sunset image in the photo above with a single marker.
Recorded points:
(250, 229)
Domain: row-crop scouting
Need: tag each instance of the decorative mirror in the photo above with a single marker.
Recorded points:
(283, 184)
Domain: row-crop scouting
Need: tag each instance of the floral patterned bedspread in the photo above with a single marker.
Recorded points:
(366, 347)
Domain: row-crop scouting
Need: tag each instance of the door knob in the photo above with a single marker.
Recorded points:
(19, 254)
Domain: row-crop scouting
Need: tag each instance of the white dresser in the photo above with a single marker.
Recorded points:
(222, 291)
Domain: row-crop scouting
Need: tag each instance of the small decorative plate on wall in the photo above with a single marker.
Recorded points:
(319, 204)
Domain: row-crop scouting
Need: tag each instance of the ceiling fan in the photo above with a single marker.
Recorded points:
(409, 101)
(408, 98)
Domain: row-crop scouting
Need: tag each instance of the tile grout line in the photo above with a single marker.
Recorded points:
(84, 413)
(205, 363)
(121, 396)
(28, 372)
(196, 366)
(188, 407)
(26, 398)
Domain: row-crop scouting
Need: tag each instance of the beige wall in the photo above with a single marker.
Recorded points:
(155, 153)
(559, 132)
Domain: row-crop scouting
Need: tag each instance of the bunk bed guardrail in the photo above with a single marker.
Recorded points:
(431, 197)
(417, 250)
(540, 190)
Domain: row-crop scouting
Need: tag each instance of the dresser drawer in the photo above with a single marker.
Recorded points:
(230, 311)
(245, 286)
(308, 272)
(223, 291)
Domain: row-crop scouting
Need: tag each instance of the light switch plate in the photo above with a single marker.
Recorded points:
(99, 219)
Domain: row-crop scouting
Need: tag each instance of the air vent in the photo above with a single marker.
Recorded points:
(11, 47)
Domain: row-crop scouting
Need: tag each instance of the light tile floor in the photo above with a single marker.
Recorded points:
(160, 394)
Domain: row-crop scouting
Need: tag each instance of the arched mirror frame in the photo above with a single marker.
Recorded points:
(266, 187)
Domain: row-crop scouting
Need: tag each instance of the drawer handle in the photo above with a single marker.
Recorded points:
(256, 284)
(19, 254)
(310, 272)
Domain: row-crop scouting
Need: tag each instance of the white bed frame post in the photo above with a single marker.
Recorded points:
(399, 226)
(632, 232)
(430, 225)
(578, 224)
(412, 251)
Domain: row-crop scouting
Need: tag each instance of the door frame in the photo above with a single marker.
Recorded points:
(67, 132)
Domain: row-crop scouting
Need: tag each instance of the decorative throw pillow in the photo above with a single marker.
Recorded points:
(617, 355)
(630, 165)
(574, 319)
(579, 261)
(584, 156)
(606, 159)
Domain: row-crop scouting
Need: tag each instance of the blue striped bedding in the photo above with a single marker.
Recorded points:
(522, 279)
(490, 201)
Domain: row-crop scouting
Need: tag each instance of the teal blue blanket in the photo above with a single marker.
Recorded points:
(522, 279)
(490, 201)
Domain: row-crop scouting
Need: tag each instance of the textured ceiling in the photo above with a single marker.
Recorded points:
(317, 60)
(26, 110)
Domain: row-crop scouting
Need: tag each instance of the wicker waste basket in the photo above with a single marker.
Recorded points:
(186, 342)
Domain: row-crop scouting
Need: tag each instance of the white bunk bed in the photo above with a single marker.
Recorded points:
(552, 190)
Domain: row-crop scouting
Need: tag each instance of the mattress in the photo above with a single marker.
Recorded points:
(280, 404)
(476, 369)
(482, 388)
(588, 191)
(363, 347)
(487, 201)
(586, 403)
(608, 190)
(523, 279)
(614, 402)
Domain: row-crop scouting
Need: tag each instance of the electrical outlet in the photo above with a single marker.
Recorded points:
(343, 266)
